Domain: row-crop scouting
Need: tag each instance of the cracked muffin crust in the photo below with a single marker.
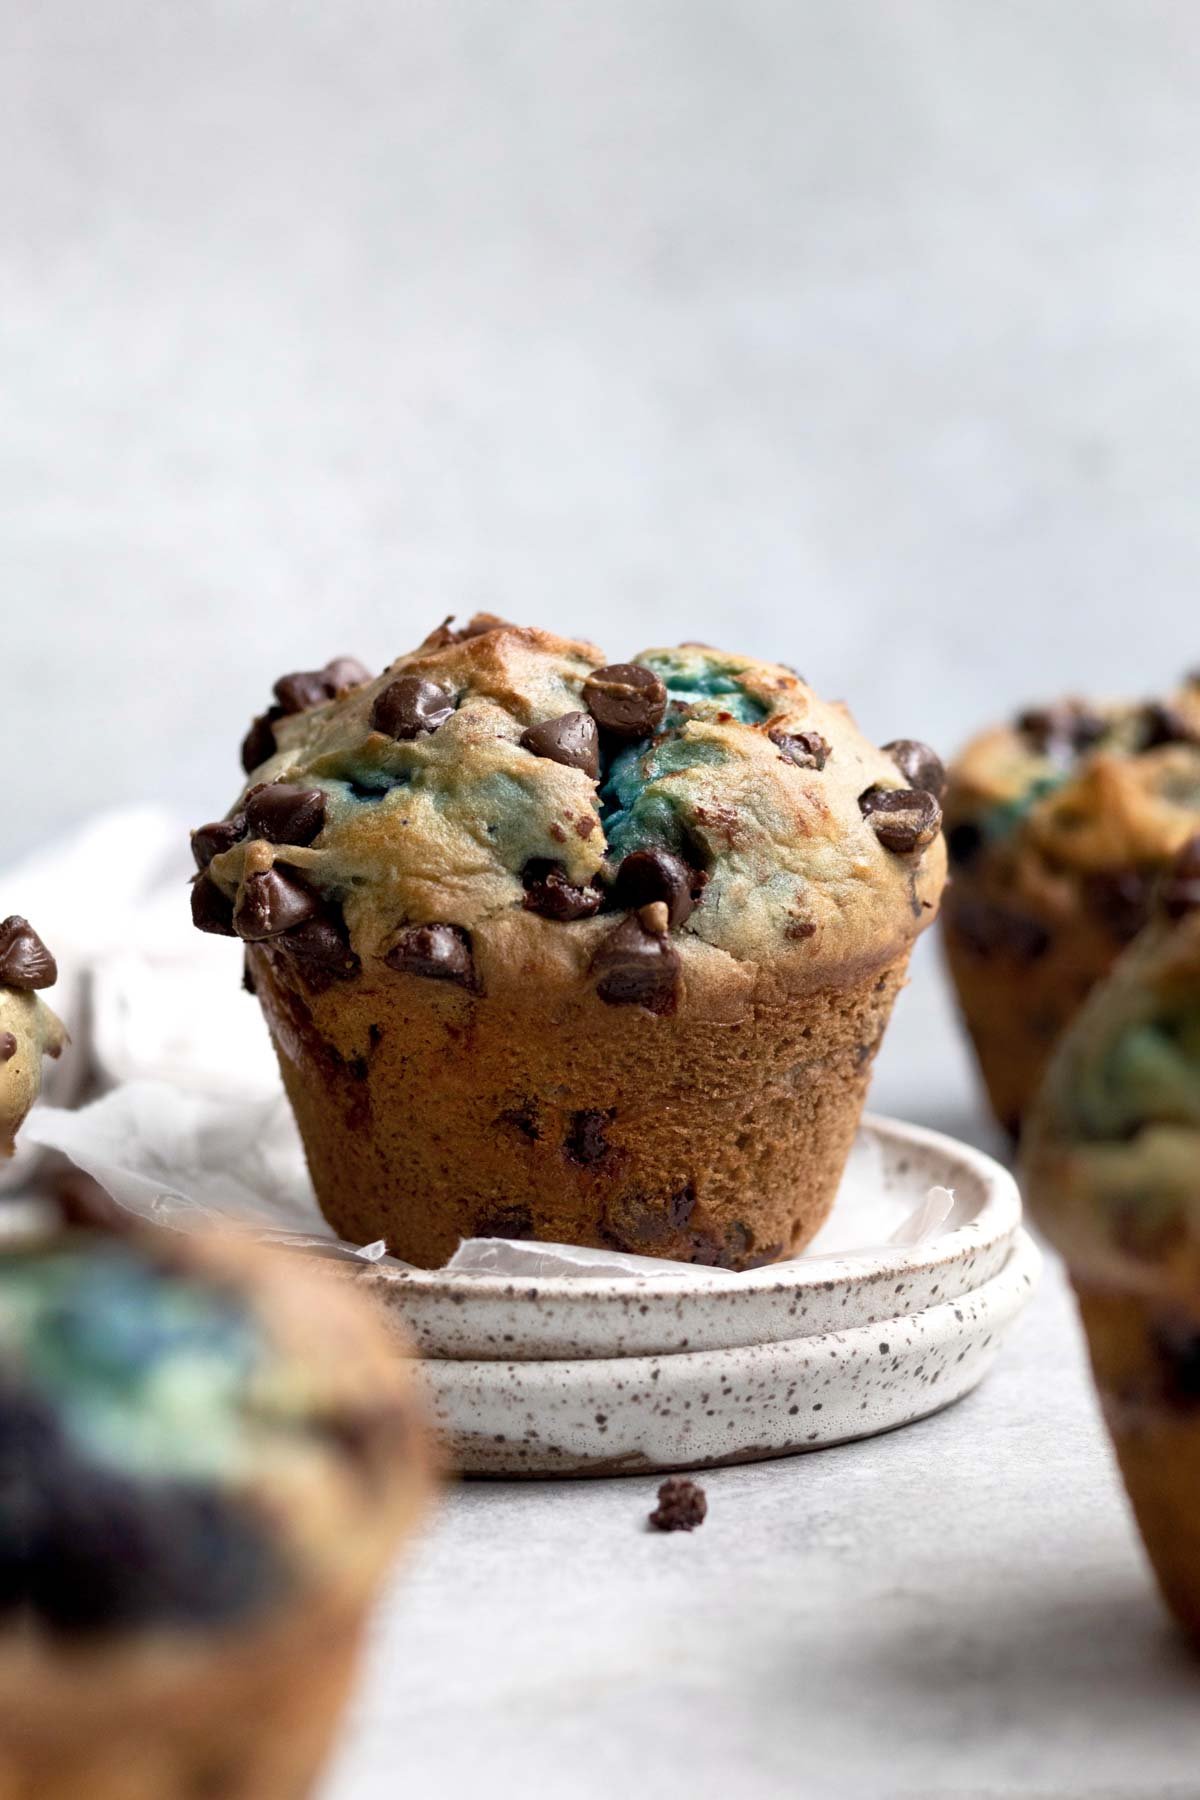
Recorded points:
(507, 879)
(1112, 1173)
(1058, 829)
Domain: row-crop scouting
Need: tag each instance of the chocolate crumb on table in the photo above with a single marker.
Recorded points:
(681, 1505)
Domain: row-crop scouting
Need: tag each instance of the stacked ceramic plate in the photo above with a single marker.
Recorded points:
(532, 1375)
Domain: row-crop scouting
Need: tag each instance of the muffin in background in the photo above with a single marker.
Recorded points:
(562, 949)
(1058, 828)
(208, 1457)
(1112, 1175)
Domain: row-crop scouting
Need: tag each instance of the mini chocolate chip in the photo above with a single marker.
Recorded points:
(807, 749)
(637, 967)
(681, 1505)
(964, 842)
(1181, 889)
(259, 742)
(409, 706)
(322, 943)
(25, 961)
(571, 739)
(284, 813)
(585, 1142)
(211, 840)
(649, 875)
(271, 902)
(903, 819)
(1120, 899)
(1160, 725)
(1063, 729)
(211, 909)
(626, 700)
(314, 687)
(549, 893)
(920, 766)
(8, 1046)
(438, 952)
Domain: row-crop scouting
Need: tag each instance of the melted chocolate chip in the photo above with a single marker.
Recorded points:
(920, 766)
(314, 687)
(259, 742)
(322, 945)
(1160, 725)
(211, 840)
(1062, 730)
(271, 902)
(8, 1046)
(549, 893)
(25, 962)
(646, 876)
(438, 952)
(571, 739)
(283, 813)
(903, 819)
(626, 700)
(345, 673)
(211, 909)
(681, 1505)
(409, 706)
(1181, 889)
(807, 749)
(637, 967)
(585, 1142)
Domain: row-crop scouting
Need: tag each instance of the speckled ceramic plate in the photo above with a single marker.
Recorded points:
(632, 1414)
(478, 1317)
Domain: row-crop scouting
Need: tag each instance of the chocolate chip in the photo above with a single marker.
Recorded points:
(322, 944)
(1181, 889)
(211, 840)
(1160, 725)
(271, 902)
(8, 1046)
(585, 1142)
(409, 706)
(1120, 899)
(807, 749)
(637, 967)
(920, 766)
(626, 700)
(25, 961)
(505, 1222)
(549, 893)
(478, 626)
(438, 952)
(211, 909)
(283, 813)
(681, 1505)
(990, 930)
(641, 1222)
(1064, 729)
(649, 875)
(964, 843)
(523, 1118)
(571, 739)
(259, 742)
(903, 819)
(314, 687)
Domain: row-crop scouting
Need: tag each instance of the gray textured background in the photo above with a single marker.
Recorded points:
(862, 335)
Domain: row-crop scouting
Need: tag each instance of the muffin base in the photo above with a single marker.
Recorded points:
(430, 1114)
(1156, 1435)
(247, 1718)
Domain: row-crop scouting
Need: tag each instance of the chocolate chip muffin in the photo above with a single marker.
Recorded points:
(206, 1461)
(28, 1028)
(1112, 1173)
(556, 948)
(1058, 828)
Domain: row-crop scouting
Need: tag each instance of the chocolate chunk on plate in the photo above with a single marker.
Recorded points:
(682, 1505)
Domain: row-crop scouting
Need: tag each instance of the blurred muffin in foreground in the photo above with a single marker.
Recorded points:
(552, 947)
(1058, 828)
(207, 1459)
(1112, 1175)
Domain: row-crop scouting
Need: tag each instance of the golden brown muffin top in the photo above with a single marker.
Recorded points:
(503, 794)
(1112, 1158)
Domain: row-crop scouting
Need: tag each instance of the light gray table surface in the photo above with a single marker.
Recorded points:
(959, 1608)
